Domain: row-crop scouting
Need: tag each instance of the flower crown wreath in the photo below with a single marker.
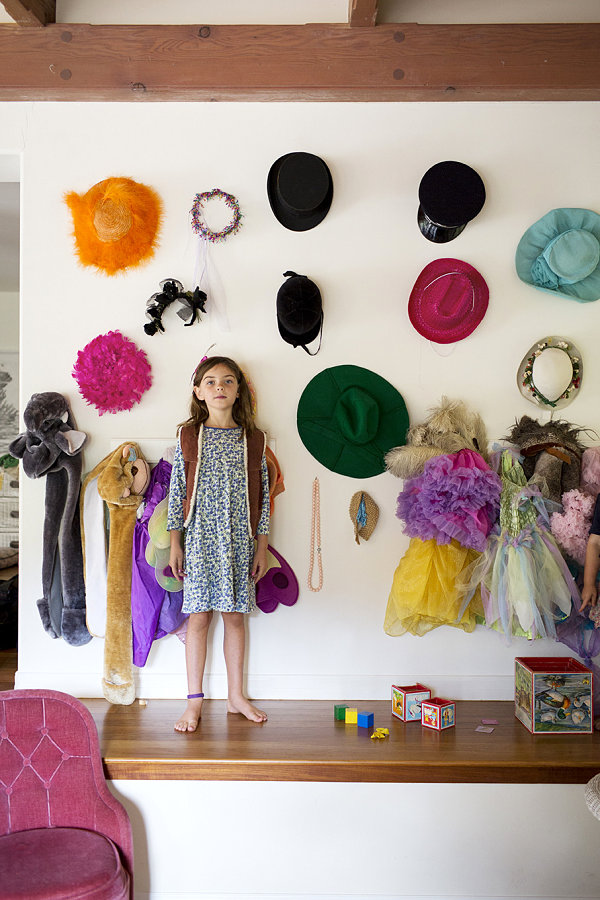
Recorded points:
(528, 383)
(199, 224)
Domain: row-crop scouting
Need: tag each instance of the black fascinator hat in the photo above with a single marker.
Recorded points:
(450, 195)
(299, 311)
(300, 190)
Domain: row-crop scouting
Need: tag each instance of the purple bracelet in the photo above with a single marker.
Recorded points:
(194, 696)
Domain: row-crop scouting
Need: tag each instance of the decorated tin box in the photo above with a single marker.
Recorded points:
(438, 713)
(553, 694)
(407, 699)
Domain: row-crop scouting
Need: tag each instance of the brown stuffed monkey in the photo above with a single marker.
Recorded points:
(122, 479)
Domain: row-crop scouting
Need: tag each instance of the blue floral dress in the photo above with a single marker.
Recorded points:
(218, 549)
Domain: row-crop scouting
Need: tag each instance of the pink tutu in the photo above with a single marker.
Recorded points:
(456, 498)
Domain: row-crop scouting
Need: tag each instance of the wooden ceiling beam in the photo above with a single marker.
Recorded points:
(31, 12)
(362, 12)
(300, 62)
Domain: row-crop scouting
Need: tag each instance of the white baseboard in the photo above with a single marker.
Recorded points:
(164, 685)
(400, 896)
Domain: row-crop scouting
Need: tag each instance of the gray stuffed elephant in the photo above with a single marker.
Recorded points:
(51, 446)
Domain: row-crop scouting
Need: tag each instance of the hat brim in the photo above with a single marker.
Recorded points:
(288, 218)
(299, 340)
(268, 594)
(434, 327)
(541, 233)
(439, 234)
(322, 439)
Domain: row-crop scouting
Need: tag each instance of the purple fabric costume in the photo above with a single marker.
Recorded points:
(457, 497)
(155, 612)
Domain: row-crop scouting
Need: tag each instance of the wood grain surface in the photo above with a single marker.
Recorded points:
(300, 62)
(302, 742)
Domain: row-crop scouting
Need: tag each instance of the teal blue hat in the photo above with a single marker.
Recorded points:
(349, 417)
(560, 254)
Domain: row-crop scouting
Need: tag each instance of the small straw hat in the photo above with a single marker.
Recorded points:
(364, 514)
(448, 301)
(115, 224)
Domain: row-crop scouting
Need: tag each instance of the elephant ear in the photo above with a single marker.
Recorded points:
(70, 441)
(18, 447)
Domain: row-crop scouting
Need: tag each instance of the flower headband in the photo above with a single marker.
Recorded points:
(199, 224)
(525, 374)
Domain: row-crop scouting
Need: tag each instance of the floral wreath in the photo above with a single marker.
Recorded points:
(526, 382)
(199, 225)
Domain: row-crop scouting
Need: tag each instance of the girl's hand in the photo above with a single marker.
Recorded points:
(589, 595)
(259, 563)
(176, 556)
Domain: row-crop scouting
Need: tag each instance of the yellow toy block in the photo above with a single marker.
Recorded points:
(351, 715)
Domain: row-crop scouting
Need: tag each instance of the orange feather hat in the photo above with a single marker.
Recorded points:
(115, 224)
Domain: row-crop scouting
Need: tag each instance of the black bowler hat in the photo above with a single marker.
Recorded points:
(299, 311)
(300, 189)
(450, 195)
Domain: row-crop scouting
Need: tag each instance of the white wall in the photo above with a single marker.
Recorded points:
(296, 841)
(365, 256)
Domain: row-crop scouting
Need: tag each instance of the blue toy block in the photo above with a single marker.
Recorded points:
(365, 719)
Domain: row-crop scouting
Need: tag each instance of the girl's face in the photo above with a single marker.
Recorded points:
(218, 388)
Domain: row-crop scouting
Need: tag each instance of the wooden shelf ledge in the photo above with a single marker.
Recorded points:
(302, 742)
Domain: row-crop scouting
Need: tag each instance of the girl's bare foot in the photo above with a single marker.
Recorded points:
(243, 706)
(191, 717)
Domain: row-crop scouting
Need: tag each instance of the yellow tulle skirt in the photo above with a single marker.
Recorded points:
(424, 592)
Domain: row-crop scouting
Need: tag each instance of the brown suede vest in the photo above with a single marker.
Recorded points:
(255, 447)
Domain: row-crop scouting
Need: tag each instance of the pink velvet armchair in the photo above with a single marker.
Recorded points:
(62, 833)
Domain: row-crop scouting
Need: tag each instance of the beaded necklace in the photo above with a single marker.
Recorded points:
(315, 533)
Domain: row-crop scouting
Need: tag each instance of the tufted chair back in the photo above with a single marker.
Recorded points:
(51, 777)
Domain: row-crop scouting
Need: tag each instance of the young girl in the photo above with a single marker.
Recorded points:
(218, 502)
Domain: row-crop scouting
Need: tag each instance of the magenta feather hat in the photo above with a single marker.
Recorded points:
(112, 373)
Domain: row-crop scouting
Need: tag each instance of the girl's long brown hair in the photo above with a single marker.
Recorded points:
(242, 408)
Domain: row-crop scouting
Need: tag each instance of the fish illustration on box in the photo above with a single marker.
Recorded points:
(553, 695)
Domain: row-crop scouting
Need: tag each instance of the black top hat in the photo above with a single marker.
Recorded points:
(300, 189)
(450, 195)
(299, 311)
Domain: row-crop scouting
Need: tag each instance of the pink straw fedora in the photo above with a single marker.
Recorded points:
(448, 301)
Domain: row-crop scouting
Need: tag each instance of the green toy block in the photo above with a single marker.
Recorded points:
(351, 715)
(339, 712)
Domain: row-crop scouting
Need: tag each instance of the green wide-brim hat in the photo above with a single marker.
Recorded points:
(560, 254)
(349, 417)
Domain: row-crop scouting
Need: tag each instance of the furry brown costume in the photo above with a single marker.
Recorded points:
(120, 474)
(450, 427)
(551, 454)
